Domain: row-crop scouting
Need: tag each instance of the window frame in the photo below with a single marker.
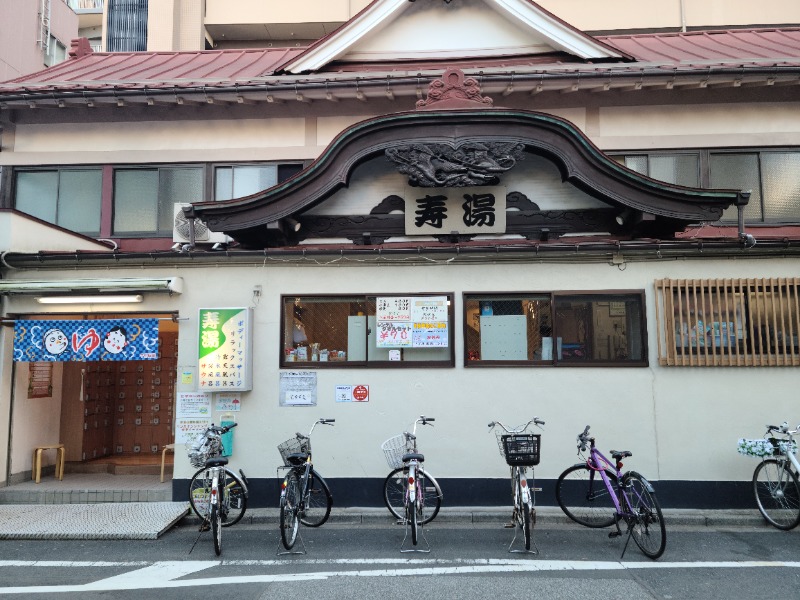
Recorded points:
(704, 164)
(286, 299)
(58, 170)
(554, 296)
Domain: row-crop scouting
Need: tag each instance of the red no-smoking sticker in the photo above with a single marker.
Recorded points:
(361, 393)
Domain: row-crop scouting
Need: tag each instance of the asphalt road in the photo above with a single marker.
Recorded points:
(345, 561)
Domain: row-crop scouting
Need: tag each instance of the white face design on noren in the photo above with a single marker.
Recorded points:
(55, 341)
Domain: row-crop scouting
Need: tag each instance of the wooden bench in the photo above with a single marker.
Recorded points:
(36, 467)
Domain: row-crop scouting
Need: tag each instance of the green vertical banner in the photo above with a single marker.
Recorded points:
(225, 349)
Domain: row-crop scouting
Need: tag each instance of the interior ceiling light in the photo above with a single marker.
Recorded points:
(111, 299)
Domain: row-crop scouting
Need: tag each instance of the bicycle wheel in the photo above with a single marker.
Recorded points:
(317, 502)
(648, 529)
(584, 498)
(777, 492)
(289, 522)
(216, 528)
(234, 498)
(394, 495)
(413, 510)
(523, 514)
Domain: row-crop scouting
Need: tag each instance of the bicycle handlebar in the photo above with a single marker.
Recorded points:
(219, 430)
(535, 420)
(583, 438)
(783, 428)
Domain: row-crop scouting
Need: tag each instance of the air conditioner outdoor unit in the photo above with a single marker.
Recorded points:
(202, 234)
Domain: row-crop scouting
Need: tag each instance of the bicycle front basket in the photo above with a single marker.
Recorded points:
(394, 448)
(294, 445)
(522, 449)
(202, 450)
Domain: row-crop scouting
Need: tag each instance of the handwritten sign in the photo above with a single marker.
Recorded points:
(298, 388)
(429, 310)
(412, 322)
(393, 309)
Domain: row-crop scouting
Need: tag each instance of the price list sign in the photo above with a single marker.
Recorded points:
(412, 322)
(225, 349)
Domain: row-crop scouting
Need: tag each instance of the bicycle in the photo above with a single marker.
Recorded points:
(235, 493)
(521, 450)
(305, 497)
(775, 479)
(611, 498)
(213, 497)
(411, 494)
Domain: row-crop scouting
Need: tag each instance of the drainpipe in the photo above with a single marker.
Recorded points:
(683, 15)
(748, 241)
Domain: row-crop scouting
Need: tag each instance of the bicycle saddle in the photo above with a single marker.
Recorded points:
(297, 458)
(217, 461)
(413, 456)
(618, 454)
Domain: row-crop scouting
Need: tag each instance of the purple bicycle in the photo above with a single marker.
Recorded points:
(596, 493)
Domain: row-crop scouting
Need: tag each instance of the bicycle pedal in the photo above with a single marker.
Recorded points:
(614, 534)
(205, 526)
(509, 525)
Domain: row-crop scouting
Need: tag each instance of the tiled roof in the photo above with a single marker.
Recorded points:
(135, 69)
(225, 68)
(755, 46)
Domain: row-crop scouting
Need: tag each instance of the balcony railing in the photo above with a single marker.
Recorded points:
(86, 5)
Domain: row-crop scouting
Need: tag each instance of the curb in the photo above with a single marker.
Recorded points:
(546, 515)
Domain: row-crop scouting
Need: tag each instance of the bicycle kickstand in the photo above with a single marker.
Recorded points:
(205, 525)
(280, 551)
(425, 550)
(517, 529)
(627, 540)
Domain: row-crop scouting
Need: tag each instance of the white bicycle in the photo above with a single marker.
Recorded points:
(775, 479)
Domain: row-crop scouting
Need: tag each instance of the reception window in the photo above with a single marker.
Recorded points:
(392, 330)
(555, 329)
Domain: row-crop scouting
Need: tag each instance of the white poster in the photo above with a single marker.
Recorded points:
(298, 388)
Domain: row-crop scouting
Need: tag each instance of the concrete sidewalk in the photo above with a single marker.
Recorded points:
(149, 520)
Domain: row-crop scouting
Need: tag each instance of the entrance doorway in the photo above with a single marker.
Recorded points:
(112, 416)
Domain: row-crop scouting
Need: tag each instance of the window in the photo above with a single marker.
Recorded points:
(40, 379)
(69, 198)
(770, 175)
(56, 52)
(559, 328)
(144, 198)
(385, 330)
(126, 26)
(237, 181)
(679, 169)
(728, 322)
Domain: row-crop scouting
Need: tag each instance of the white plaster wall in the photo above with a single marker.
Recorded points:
(617, 128)
(680, 423)
(34, 421)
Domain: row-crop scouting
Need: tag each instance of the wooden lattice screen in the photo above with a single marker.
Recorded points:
(728, 322)
(40, 380)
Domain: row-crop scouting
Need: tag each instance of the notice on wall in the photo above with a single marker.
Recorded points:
(298, 388)
(412, 322)
(225, 349)
(352, 393)
(192, 416)
(227, 402)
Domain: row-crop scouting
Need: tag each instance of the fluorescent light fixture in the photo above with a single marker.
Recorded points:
(134, 285)
(112, 299)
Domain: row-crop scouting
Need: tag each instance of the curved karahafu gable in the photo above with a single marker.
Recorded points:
(504, 136)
